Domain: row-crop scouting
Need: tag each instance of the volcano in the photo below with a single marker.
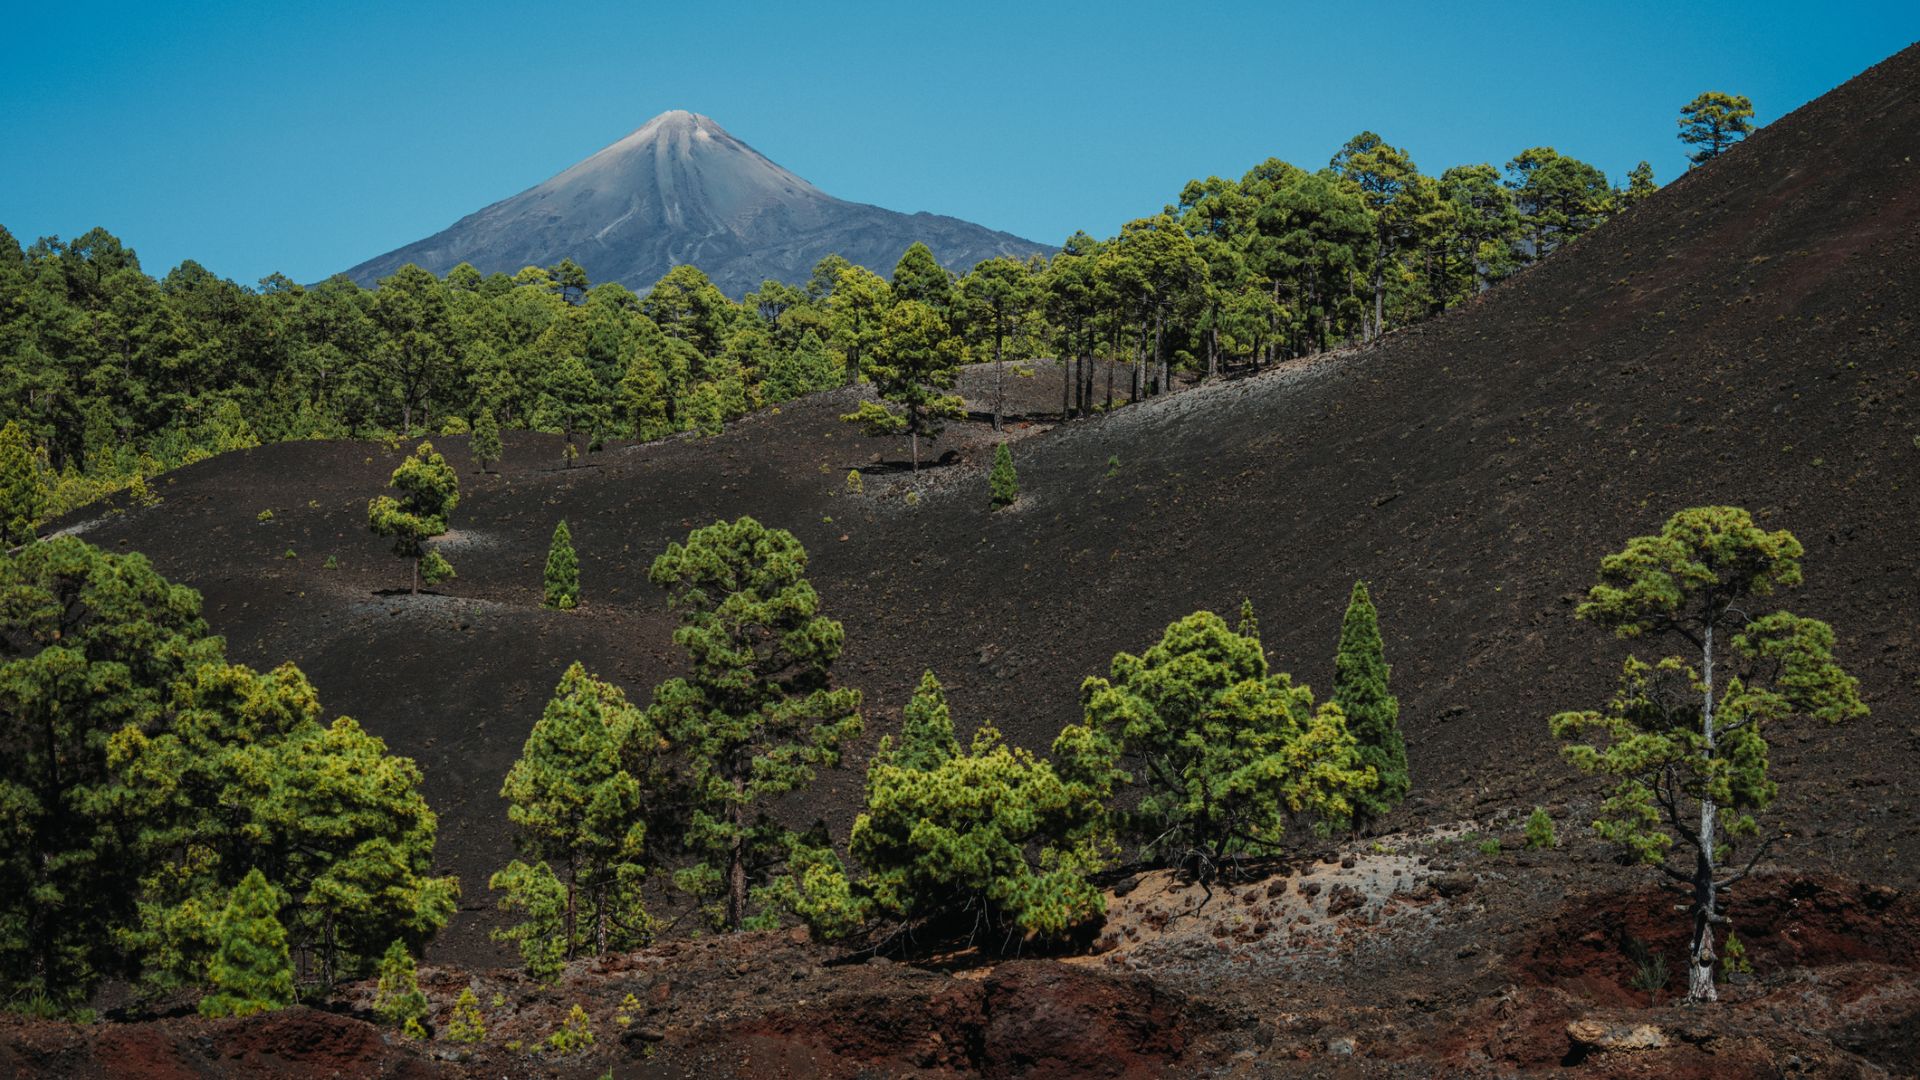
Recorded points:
(679, 190)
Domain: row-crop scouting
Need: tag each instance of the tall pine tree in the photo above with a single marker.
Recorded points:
(758, 714)
(1360, 675)
(578, 798)
(23, 493)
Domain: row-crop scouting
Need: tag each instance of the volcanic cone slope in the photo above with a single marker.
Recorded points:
(678, 190)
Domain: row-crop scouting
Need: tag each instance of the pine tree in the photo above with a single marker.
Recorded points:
(485, 442)
(805, 368)
(579, 801)
(988, 833)
(250, 972)
(919, 277)
(1219, 752)
(1685, 744)
(1714, 122)
(914, 360)
(1249, 625)
(429, 491)
(177, 774)
(23, 491)
(1360, 674)
(563, 571)
(758, 714)
(103, 641)
(1002, 482)
(464, 1023)
(397, 999)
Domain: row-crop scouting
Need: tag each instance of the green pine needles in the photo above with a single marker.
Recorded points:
(23, 490)
(962, 839)
(1204, 753)
(563, 571)
(485, 442)
(1684, 737)
(147, 777)
(464, 1023)
(590, 776)
(1360, 675)
(250, 972)
(758, 714)
(397, 998)
(1002, 483)
(429, 491)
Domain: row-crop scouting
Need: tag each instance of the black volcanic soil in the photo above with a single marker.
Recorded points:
(1747, 336)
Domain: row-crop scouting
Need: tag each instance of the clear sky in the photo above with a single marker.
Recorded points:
(305, 138)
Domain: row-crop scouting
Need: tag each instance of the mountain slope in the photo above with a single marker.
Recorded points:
(1746, 336)
(680, 190)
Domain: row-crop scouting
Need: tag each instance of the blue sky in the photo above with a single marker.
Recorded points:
(305, 138)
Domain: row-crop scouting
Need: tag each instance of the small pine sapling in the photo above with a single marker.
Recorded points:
(1002, 483)
(1540, 831)
(563, 571)
(465, 1024)
(575, 1034)
(1733, 955)
(485, 443)
(250, 971)
(428, 493)
(1249, 625)
(397, 999)
(855, 484)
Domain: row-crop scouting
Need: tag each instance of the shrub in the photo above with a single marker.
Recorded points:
(1003, 485)
(1540, 832)
(464, 1024)
(1733, 955)
(856, 485)
(574, 1036)
(398, 999)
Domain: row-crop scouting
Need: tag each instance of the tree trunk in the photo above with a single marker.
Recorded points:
(1701, 956)
(999, 375)
(406, 418)
(413, 587)
(1159, 352)
(1065, 391)
(572, 892)
(737, 860)
(914, 438)
(1086, 373)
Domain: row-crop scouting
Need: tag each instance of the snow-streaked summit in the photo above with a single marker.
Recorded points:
(681, 189)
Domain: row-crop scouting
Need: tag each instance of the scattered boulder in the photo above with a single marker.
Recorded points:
(1602, 1035)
